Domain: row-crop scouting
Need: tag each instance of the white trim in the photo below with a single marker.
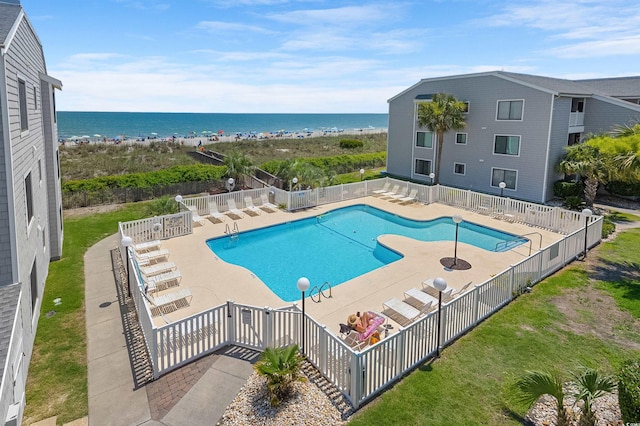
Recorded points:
(413, 142)
(52, 81)
(506, 155)
(466, 139)
(30, 220)
(507, 170)
(460, 164)
(545, 178)
(509, 120)
(616, 101)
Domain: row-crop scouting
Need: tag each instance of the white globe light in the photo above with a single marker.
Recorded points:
(432, 175)
(456, 218)
(231, 181)
(440, 284)
(502, 185)
(361, 171)
(303, 284)
(295, 180)
(587, 212)
(178, 198)
(126, 241)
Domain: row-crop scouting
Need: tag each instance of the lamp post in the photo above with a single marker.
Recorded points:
(178, 201)
(441, 285)
(126, 243)
(587, 213)
(432, 176)
(303, 285)
(502, 186)
(230, 184)
(457, 219)
(294, 182)
(361, 174)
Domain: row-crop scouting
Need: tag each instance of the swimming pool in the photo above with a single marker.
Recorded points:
(339, 245)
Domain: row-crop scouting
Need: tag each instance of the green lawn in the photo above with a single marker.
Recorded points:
(57, 382)
(472, 383)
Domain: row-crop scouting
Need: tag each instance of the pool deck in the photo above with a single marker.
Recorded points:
(213, 281)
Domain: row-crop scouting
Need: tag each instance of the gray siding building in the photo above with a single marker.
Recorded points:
(30, 198)
(517, 126)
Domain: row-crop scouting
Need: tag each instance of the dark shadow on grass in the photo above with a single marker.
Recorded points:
(607, 270)
(517, 417)
(617, 217)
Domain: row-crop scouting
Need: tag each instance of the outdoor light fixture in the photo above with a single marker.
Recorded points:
(502, 186)
(178, 201)
(126, 243)
(294, 182)
(230, 184)
(361, 174)
(439, 284)
(303, 285)
(432, 176)
(587, 213)
(457, 219)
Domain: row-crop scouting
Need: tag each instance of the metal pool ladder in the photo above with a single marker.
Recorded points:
(320, 293)
(232, 233)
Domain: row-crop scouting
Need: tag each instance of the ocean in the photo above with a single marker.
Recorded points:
(162, 125)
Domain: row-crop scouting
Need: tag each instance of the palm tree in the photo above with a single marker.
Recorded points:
(589, 162)
(442, 114)
(591, 385)
(281, 367)
(535, 384)
(238, 165)
(161, 206)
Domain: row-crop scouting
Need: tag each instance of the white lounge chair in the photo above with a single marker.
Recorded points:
(399, 311)
(155, 283)
(147, 246)
(266, 205)
(169, 302)
(353, 340)
(427, 287)
(399, 195)
(409, 198)
(213, 211)
(150, 257)
(158, 268)
(393, 191)
(384, 189)
(250, 208)
(233, 209)
(195, 216)
(420, 300)
(456, 293)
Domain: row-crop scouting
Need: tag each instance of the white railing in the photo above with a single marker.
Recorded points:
(360, 375)
(576, 119)
(157, 228)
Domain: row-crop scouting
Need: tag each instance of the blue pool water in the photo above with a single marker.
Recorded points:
(339, 245)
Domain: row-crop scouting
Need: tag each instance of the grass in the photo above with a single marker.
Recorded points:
(89, 161)
(472, 383)
(57, 382)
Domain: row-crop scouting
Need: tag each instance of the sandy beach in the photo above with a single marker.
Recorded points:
(210, 139)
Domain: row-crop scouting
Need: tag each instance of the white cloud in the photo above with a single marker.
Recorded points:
(220, 26)
(146, 4)
(607, 47)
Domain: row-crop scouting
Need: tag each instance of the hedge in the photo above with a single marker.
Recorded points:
(338, 164)
(565, 189)
(351, 143)
(629, 391)
(173, 175)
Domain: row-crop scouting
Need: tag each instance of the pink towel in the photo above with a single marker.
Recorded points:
(373, 326)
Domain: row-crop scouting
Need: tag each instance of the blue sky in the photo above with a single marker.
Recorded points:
(312, 55)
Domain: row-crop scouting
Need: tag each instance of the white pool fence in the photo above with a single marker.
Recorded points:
(359, 375)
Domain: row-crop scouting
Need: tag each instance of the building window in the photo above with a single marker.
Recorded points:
(461, 138)
(40, 170)
(424, 139)
(510, 110)
(28, 190)
(34, 288)
(423, 167)
(507, 145)
(509, 177)
(577, 105)
(465, 109)
(459, 168)
(22, 92)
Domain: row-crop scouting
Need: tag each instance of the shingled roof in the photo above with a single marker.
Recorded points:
(8, 14)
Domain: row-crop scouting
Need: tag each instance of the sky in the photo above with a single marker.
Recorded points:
(315, 56)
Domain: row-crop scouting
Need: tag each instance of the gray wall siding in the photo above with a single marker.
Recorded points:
(482, 93)
(601, 116)
(559, 140)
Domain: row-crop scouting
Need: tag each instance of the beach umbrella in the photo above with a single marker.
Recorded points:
(97, 136)
(220, 132)
(153, 134)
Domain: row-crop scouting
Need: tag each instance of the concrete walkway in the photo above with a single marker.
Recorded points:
(196, 394)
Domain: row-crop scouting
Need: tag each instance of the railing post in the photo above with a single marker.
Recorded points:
(400, 342)
(511, 281)
(267, 328)
(154, 352)
(476, 303)
(322, 354)
(468, 198)
(354, 371)
(231, 322)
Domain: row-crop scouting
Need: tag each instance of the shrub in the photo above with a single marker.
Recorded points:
(608, 227)
(337, 164)
(350, 143)
(623, 188)
(629, 391)
(281, 367)
(565, 189)
(573, 202)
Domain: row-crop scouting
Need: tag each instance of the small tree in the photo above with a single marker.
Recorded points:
(281, 367)
(534, 384)
(161, 206)
(591, 385)
(238, 165)
(442, 114)
(587, 161)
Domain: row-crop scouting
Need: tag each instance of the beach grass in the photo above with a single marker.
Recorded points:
(57, 381)
(554, 328)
